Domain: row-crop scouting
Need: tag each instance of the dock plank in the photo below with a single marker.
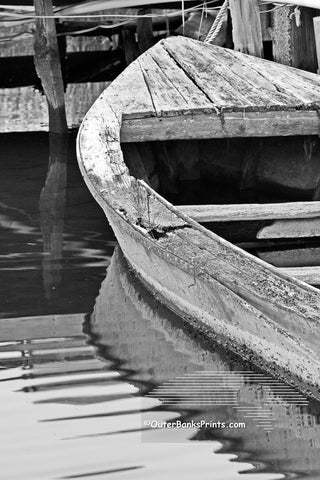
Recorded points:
(24, 109)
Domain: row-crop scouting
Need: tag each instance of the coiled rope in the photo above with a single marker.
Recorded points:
(217, 24)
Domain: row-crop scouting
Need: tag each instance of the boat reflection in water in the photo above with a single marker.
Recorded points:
(185, 377)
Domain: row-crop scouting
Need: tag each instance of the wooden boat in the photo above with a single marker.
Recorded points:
(182, 89)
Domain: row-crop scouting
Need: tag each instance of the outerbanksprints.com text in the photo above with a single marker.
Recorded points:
(192, 424)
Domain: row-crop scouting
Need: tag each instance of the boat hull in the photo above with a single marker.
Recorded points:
(217, 311)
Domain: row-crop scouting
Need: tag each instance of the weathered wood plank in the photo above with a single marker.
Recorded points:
(246, 32)
(303, 78)
(171, 90)
(287, 256)
(32, 114)
(233, 124)
(134, 95)
(251, 211)
(309, 275)
(291, 229)
(178, 80)
(252, 82)
(198, 65)
(192, 57)
(316, 24)
(287, 80)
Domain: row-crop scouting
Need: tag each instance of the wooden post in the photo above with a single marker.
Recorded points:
(144, 30)
(247, 34)
(293, 37)
(129, 44)
(247, 38)
(47, 63)
(316, 24)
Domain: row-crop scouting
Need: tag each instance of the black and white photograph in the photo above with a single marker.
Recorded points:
(160, 240)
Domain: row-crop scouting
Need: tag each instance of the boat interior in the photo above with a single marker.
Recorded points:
(245, 173)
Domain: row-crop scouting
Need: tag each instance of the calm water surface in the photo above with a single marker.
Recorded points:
(89, 361)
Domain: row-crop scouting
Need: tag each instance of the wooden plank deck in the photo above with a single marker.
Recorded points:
(216, 92)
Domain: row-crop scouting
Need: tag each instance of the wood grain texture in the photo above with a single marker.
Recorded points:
(316, 24)
(226, 125)
(251, 211)
(246, 27)
(32, 114)
(291, 229)
(47, 62)
(269, 78)
(170, 86)
(134, 95)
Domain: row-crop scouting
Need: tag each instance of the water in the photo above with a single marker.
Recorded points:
(89, 361)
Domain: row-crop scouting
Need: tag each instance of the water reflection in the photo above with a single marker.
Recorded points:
(76, 387)
(166, 359)
(55, 244)
(71, 414)
(52, 207)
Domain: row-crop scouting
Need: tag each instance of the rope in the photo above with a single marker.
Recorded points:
(217, 24)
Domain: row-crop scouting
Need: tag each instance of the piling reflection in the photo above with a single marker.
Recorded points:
(157, 352)
(52, 207)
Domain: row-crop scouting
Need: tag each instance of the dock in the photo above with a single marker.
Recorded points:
(218, 93)
(24, 109)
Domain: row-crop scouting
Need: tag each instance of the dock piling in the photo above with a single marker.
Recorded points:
(246, 27)
(316, 23)
(47, 63)
(293, 37)
(129, 44)
(144, 30)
